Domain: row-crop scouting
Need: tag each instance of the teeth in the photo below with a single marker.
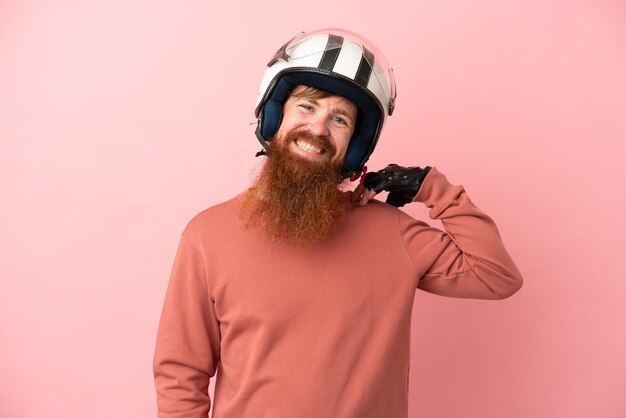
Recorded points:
(308, 148)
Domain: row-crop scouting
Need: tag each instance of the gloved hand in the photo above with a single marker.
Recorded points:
(402, 183)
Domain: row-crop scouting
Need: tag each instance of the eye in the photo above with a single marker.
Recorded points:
(340, 120)
(306, 106)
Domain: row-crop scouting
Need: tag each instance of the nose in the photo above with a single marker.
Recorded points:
(318, 125)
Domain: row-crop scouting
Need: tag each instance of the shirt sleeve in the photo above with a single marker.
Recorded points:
(468, 259)
(188, 339)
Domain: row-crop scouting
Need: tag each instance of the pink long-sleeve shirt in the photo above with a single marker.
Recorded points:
(318, 332)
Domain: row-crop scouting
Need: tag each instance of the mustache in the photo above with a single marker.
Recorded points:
(319, 141)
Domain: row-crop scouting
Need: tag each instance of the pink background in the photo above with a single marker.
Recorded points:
(120, 120)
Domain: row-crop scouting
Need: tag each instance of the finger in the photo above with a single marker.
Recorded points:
(368, 195)
(376, 181)
(394, 201)
(398, 199)
(355, 197)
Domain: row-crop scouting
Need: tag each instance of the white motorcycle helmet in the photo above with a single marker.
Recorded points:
(342, 63)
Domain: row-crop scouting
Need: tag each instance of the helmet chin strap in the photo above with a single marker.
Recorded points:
(355, 175)
(266, 148)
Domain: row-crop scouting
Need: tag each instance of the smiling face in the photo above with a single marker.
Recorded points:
(296, 195)
(317, 126)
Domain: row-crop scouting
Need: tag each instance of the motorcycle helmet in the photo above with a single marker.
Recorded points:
(342, 63)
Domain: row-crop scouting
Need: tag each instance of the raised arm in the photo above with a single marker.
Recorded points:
(468, 259)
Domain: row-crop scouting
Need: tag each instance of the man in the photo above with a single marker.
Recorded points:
(299, 295)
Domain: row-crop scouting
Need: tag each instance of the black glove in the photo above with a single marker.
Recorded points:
(402, 183)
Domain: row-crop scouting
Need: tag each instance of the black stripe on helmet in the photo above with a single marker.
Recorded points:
(362, 76)
(331, 52)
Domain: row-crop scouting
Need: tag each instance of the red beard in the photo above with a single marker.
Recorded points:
(294, 198)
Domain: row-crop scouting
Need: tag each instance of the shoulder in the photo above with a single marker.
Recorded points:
(215, 219)
(377, 212)
(375, 208)
(379, 215)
